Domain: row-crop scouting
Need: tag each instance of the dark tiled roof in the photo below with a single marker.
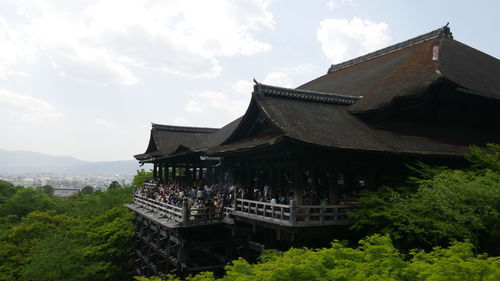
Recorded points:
(167, 140)
(332, 126)
(443, 32)
(327, 111)
(469, 68)
(408, 69)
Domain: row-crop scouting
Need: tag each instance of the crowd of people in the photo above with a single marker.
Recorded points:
(217, 196)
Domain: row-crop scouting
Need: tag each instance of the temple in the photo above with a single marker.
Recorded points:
(287, 172)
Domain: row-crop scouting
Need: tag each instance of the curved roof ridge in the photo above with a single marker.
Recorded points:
(306, 95)
(184, 129)
(442, 32)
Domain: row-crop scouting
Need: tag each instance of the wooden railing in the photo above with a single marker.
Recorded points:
(286, 215)
(148, 185)
(161, 209)
(276, 213)
(293, 215)
(182, 215)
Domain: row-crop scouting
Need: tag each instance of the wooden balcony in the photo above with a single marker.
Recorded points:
(293, 215)
(284, 215)
(179, 216)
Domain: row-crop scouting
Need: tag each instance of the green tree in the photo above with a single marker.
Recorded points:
(447, 205)
(7, 190)
(48, 189)
(375, 258)
(26, 201)
(87, 190)
(84, 237)
(140, 177)
(113, 185)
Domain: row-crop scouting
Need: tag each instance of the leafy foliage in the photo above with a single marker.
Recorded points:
(140, 177)
(7, 190)
(114, 185)
(85, 237)
(482, 159)
(374, 259)
(447, 205)
(87, 189)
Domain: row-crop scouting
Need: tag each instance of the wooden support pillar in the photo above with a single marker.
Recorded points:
(160, 172)
(249, 182)
(155, 170)
(298, 184)
(169, 250)
(241, 177)
(185, 211)
(209, 175)
(169, 174)
(314, 176)
(165, 173)
(273, 181)
(371, 179)
(293, 212)
(333, 187)
(201, 179)
(193, 173)
(174, 174)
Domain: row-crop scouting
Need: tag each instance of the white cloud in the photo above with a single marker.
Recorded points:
(12, 49)
(26, 107)
(244, 87)
(299, 69)
(105, 123)
(221, 101)
(104, 40)
(193, 106)
(278, 79)
(331, 4)
(179, 121)
(342, 39)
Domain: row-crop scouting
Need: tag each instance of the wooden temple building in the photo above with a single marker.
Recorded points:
(425, 99)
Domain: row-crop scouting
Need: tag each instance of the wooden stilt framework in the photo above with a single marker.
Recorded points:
(165, 248)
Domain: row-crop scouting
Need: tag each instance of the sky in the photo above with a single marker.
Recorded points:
(87, 78)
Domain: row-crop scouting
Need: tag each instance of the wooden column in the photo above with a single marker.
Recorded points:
(298, 184)
(192, 173)
(209, 175)
(169, 175)
(200, 175)
(165, 173)
(249, 180)
(174, 174)
(332, 187)
(160, 172)
(241, 177)
(314, 177)
(155, 170)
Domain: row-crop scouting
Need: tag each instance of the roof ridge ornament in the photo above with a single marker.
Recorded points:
(257, 87)
(442, 32)
(305, 95)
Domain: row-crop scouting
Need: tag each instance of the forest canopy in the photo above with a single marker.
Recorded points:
(84, 237)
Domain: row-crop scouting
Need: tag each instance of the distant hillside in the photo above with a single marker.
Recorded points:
(35, 162)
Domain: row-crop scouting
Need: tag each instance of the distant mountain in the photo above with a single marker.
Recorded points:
(35, 162)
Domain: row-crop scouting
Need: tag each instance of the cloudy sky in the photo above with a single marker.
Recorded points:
(87, 78)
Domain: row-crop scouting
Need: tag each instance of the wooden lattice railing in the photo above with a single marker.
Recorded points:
(287, 215)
